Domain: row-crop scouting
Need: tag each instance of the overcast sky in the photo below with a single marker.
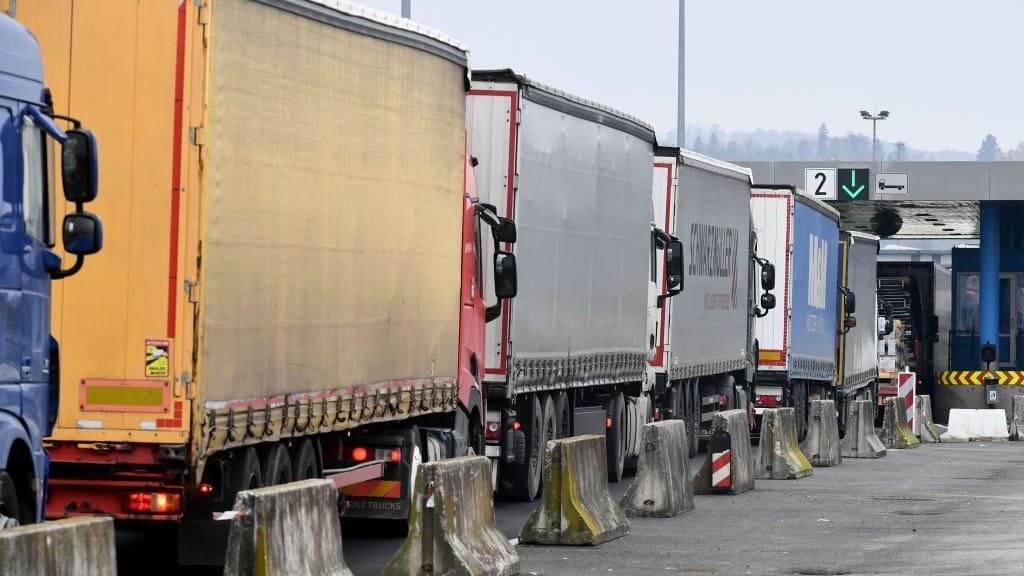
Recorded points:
(949, 71)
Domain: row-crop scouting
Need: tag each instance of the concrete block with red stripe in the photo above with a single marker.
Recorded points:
(451, 524)
(729, 467)
(576, 507)
(895, 433)
(861, 441)
(287, 529)
(924, 427)
(779, 456)
(906, 390)
(821, 446)
(72, 547)
(662, 487)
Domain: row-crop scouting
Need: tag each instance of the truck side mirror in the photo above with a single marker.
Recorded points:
(79, 166)
(851, 302)
(506, 283)
(768, 276)
(674, 261)
(83, 233)
(767, 301)
(505, 231)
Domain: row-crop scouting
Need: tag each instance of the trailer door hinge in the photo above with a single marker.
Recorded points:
(197, 135)
(192, 291)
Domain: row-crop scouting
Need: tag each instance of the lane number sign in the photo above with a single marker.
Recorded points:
(820, 183)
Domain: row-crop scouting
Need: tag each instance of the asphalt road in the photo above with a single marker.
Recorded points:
(955, 509)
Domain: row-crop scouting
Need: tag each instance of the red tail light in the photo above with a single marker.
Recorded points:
(493, 431)
(360, 454)
(516, 425)
(396, 455)
(153, 502)
(608, 422)
(205, 489)
(724, 401)
(768, 401)
(657, 414)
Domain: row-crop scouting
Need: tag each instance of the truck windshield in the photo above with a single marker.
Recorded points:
(38, 201)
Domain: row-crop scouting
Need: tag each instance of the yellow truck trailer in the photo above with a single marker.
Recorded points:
(292, 277)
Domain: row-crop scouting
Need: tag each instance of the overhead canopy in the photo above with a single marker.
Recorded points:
(939, 199)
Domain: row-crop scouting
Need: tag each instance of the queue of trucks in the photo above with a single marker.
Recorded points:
(336, 250)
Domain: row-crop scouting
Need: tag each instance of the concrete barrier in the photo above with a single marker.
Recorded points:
(729, 467)
(451, 526)
(779, 456)
(662, 487)
(860, 440)
(575, 507)
(287, 529)
(924, 426)
(895, 433)
(1017, 422)
(821, 446)
(981, 425)
(72, 547)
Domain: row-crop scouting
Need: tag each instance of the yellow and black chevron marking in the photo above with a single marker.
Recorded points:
(977, 377)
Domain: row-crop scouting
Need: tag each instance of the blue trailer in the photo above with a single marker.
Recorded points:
(29, 356)
(797, 340)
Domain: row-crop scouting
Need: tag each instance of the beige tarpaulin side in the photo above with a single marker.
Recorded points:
(331, 256)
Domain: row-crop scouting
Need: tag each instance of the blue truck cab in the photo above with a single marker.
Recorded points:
(29, 357)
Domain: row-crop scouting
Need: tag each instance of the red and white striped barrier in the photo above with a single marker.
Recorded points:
(907, 388)
(721, 470)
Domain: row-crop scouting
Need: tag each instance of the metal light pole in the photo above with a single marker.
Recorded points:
(681, 108)
(874, 127)
(406, 8)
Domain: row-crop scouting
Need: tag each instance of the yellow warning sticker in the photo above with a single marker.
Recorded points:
(158, 358)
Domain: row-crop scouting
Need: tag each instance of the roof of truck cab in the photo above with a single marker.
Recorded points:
(365, 20)
(565, 102)
(21, 66)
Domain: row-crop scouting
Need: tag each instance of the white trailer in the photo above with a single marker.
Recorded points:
(706, 350)
(571, 356)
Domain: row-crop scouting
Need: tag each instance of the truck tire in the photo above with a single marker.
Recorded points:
(304, 460)
(563, 417)
(276, 465)
(615, 438)
(243, 474)
(800, 409)
(691, 402)
(526, 477)
(550, 423)
(11, 514)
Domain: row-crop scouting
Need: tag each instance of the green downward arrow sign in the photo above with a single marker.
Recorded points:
(853, 182)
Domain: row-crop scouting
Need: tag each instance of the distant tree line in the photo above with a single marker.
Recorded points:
(990, 151)
(792, 145)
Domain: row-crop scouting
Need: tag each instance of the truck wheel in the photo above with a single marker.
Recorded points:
(276, 465)
(550, 419)
(800, 409)
(691, 403)
(304, 460)
(10, 508)
(526, 477)
(615, 439)
(563, 417)
(243, 474)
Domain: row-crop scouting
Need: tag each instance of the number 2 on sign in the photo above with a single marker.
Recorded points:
(820, 177)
